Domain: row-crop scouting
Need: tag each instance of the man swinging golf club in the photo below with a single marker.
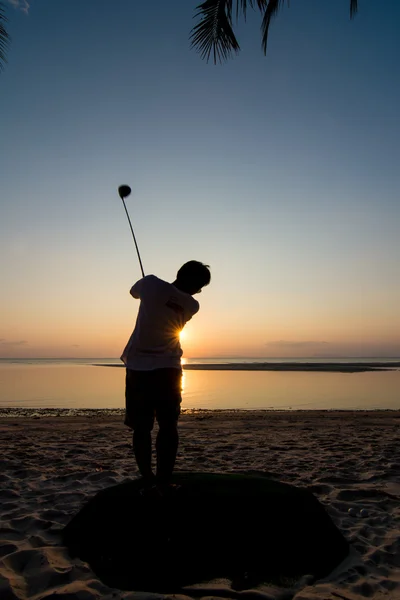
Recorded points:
(153, 366)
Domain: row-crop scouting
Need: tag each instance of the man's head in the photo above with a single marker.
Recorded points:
(193, 276)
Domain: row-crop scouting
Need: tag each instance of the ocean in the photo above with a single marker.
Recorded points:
(90, 383)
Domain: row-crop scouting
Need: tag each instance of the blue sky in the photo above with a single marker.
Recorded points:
(281, 172)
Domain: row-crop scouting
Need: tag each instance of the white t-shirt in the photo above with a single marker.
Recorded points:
(163, 312)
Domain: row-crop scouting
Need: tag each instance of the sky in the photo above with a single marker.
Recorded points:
(280, 172)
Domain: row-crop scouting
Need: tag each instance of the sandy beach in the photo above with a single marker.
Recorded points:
(51, 464)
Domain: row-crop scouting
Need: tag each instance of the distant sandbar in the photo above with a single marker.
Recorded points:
(355, 367)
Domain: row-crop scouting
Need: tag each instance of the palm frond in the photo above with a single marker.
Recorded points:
(214, 33)
(242, 5)
(4, 38)
(271, 11)
(353, 8)
(262, 4)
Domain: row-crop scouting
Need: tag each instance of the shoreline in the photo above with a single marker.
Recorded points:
(328, 367)
(60, 414)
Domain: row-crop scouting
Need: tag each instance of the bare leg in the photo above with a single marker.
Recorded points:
(167, 447)
(141, 442)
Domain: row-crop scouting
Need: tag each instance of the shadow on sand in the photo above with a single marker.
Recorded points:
(248, 529)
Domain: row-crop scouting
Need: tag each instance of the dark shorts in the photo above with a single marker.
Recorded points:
(150, 394)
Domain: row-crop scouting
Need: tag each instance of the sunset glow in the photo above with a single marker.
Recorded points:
(291, 198)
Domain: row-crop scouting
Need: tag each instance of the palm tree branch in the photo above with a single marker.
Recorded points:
(271, 11)
(353, 8)
(214, 33)
(4, 38)
(241, 5)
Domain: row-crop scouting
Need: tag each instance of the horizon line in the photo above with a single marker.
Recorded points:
(197, 357)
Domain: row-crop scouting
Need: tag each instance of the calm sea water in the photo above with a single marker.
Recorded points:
(77, 383)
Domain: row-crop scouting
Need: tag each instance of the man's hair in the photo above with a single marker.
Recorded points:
(195, 274)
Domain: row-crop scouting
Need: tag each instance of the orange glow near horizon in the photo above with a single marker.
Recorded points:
(297, 216)
(217, 332)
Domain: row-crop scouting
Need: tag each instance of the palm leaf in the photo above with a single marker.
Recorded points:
(353, 8)
(242, 5)
(214, 33)
(271, 11)
(4, 38)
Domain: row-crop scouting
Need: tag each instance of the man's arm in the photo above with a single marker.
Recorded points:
(136, 289)
(194, 310)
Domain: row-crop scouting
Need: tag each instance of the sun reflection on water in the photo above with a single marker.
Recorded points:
(183, 382)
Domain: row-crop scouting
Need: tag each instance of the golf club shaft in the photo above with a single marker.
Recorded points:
(134, 239)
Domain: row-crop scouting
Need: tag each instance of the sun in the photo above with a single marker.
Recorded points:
(182, 334)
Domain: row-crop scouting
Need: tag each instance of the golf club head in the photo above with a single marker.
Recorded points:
(124, 191)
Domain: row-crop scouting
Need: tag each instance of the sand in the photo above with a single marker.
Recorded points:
(50, 465)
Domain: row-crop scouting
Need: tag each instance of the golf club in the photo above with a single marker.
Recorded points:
(124, 191)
